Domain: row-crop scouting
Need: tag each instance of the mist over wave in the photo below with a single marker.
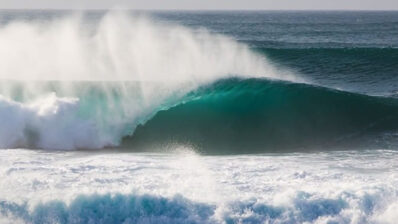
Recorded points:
(121, 46)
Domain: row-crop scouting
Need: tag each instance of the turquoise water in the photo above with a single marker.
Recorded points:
(255, 115)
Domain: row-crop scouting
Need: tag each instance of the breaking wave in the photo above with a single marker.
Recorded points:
(130, 81)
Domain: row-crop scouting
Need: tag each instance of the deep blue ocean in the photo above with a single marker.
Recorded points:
(198, 116)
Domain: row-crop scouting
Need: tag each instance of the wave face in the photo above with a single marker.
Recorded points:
(260, 115)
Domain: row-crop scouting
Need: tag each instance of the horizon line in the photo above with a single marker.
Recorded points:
(254, 10)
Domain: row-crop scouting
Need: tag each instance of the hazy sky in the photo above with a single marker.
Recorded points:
(204, 4)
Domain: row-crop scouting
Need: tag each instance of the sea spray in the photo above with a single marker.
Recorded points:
(123, 47)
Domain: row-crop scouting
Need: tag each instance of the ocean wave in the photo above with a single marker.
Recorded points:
(133, 82)
(108, 53)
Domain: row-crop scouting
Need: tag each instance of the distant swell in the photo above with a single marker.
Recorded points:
(371, 71)
(341, 60)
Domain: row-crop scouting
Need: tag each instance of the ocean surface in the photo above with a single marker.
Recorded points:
(198, 116)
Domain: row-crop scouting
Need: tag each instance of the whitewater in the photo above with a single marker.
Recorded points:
(131, 117)
(184, 187)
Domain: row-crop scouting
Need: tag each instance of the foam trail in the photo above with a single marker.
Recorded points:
(164, 61)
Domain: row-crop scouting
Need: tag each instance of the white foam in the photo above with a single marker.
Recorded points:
(335, 187)
(49, 122)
